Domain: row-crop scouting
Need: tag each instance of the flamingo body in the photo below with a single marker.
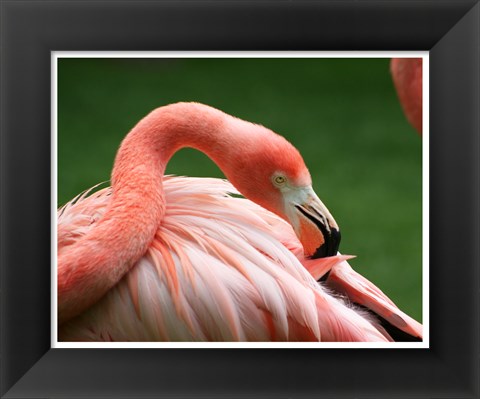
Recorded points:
(218, 269)
(407, 78)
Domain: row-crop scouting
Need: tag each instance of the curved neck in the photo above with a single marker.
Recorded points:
(87, 270)
(146, 150)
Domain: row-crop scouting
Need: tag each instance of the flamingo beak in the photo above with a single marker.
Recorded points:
(314, 226)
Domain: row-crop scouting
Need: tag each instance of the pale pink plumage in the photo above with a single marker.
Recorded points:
(179, 259)
(232, 276)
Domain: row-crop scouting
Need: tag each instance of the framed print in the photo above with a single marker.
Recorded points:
(213, 299)
(72, 72)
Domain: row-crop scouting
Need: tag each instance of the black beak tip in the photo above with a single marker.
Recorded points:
(330, 246)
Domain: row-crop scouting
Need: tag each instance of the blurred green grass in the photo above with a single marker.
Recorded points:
(342, 114)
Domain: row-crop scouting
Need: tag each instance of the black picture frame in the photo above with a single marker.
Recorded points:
(30, 30)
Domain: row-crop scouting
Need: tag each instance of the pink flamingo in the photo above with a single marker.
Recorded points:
(407, 78)
(157, 258)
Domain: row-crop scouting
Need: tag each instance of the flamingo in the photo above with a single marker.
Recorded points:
(165, 258)
(407, 78)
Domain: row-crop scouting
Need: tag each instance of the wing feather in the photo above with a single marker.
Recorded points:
(220, 268)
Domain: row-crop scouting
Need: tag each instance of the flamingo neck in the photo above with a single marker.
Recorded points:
(101, 258)
(143, 155)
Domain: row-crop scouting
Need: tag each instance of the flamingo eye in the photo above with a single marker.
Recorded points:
(279, 180)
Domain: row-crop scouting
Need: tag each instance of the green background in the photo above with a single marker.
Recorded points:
(342, 114)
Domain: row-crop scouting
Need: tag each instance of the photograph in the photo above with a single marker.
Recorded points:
(215, 200)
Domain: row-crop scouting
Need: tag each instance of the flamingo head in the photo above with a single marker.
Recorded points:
(272, 173)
